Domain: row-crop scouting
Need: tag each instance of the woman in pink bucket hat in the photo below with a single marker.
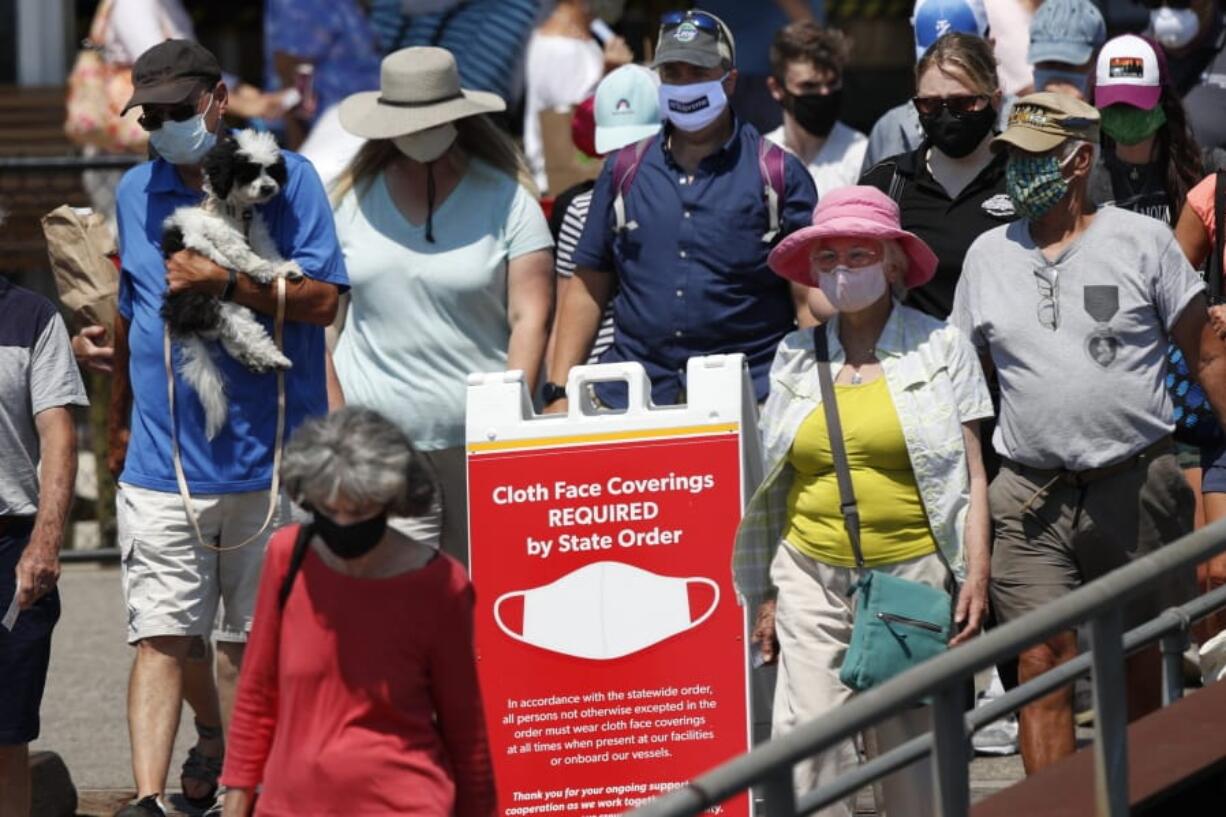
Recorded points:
(910, 395)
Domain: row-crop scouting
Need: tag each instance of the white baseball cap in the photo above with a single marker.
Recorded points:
(1128, 72)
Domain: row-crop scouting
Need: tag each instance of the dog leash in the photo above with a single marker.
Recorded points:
(274, 490)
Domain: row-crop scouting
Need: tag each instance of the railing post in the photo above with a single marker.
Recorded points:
(1173, 646)
(1110, 714)
(780, 793)
(951, 750)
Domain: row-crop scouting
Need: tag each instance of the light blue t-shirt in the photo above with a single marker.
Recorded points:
(423, 316)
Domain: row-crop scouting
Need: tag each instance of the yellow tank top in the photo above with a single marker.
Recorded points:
(893, 524)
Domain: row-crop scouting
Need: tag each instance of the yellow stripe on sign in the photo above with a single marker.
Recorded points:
(606, 437)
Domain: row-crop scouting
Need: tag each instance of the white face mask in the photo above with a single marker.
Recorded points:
(605, 610)
(186, 142)
(1174, 28)
(427, 145)
(851, 290)
(693, 107)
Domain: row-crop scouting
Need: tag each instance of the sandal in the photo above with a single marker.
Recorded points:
(201, 768)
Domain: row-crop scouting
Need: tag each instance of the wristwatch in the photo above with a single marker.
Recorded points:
(552, 393)
(227, 292)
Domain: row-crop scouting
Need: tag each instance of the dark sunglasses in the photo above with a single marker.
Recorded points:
(153, 119)
(1175, 4)
(962, 104)
(704, 21)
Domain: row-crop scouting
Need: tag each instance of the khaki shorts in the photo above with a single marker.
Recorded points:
(175, 587)
(1071, 535)
(445, 525)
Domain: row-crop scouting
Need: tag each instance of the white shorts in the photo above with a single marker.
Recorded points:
(172, 585)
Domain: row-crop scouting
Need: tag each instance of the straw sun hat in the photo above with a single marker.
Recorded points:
(419, 88)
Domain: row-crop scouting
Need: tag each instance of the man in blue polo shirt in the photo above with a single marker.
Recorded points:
(176, 577)
(690, 259)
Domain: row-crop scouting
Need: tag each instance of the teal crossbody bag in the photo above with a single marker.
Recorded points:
(899, 623)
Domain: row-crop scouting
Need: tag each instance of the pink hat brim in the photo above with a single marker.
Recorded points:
(1144, 97)
(790, 258)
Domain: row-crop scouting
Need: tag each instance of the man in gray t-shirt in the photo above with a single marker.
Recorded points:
(38, 382)
(1074, 308)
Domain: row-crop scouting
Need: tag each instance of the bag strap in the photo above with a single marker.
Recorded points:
(97, 28)
(1219, 241)
(625, 168)
(274, 490)
(297, 556)
(771, 161)
(847, 494)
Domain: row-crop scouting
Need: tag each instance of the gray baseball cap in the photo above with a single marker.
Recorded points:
(697, 37)
(1066, 31)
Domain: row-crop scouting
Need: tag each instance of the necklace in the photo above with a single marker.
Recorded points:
(856, 380)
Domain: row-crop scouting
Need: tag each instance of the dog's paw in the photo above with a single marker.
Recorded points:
(264, 364)
(289, 270)
(263, 273)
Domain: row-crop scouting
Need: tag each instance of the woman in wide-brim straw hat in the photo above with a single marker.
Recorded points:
(910, 394)
(450, 262)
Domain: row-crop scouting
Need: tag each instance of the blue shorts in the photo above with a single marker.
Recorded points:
(26, 651)
(1213, 469)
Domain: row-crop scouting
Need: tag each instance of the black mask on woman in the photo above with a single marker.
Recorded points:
(351, 541)
(816, 113)
(956, 135)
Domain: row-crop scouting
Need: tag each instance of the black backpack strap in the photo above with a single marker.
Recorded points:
(301, 543)
(896, 185)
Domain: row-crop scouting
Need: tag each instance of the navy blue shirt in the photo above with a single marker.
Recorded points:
(692, 277)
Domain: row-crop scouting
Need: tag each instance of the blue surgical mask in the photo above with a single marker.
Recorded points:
(1078, 79)
(695, 106)
(186, 142)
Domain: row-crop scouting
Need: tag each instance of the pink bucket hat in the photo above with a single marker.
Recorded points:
(853, 211)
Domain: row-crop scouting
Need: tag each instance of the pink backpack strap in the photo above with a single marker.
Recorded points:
(771, 160)
(625, 168)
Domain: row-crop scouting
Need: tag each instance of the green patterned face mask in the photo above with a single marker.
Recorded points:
(1128, 125)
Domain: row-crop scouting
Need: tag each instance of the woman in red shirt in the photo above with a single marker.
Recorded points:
(358, 692)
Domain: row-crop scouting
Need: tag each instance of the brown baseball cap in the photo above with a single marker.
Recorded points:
(168, 72)
(1043, 121)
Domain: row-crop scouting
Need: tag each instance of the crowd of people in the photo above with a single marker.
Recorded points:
(972, 334)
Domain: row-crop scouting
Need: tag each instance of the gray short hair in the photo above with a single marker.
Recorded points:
(894, 257)
(359, 455)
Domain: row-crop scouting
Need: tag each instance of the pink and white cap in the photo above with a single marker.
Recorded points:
(1129, 71)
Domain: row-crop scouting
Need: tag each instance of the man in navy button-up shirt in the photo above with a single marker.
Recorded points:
(691, 277)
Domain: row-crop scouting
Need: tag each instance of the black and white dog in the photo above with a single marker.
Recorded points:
(239, 173)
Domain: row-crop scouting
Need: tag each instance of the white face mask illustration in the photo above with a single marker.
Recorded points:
(606, 610)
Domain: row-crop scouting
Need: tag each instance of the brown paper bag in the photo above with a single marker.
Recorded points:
(565, 165)
(80, 246)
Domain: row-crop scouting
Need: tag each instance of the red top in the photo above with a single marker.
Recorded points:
(339, 695)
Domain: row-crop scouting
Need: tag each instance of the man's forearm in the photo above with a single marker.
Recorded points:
(578, 320)
(306, 300)
(57, 476)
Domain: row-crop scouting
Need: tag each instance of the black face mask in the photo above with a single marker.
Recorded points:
(816, 113)
(351, 541)
(956, 135)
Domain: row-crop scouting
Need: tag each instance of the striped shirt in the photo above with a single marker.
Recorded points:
(564, 264)
(487, 37)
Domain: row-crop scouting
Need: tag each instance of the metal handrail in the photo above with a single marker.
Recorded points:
(39, 164)
(942, 679)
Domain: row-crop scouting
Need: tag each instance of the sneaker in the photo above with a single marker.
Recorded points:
(218, 803)
(997, 738)
(145, 807)
(1213, 659)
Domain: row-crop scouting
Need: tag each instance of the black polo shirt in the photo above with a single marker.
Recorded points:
(947, 225)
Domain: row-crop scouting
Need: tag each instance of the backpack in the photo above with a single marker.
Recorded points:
(771, 160)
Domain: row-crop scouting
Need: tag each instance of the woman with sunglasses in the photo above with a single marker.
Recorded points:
(910, 395)
(951, 188)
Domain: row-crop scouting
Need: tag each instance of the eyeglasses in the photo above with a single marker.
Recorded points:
(957, 105)
(1049, 300)
(1175, 4)
(855, 258)
(153, 117)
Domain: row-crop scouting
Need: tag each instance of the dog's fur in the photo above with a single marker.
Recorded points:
(239, 173)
